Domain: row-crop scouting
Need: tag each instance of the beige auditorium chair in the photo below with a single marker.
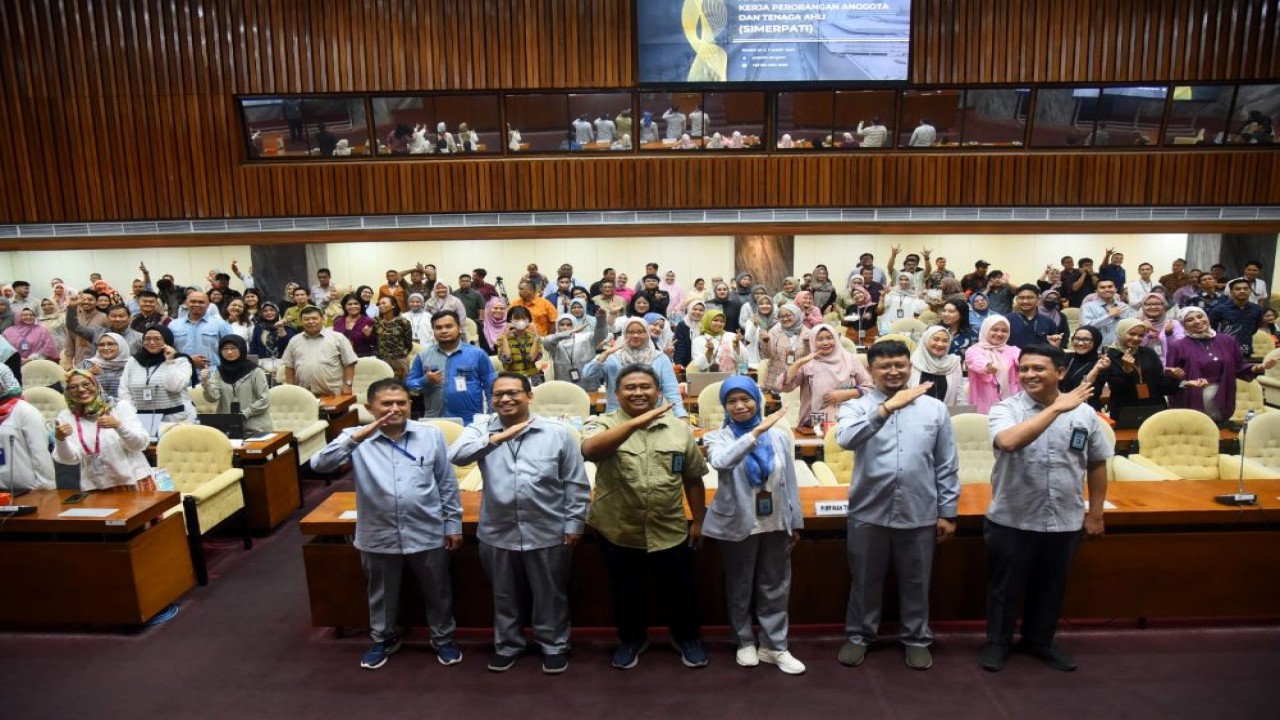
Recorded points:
(1125, 470)
(1185, 443)
(42, 373)
(973, 446)
(198, 458)
(1270, 382)
(905, 340)
(295, 410)
(846, 343)
(836, 465)
(710, 411)
(368, 371)
(201, 404)
(468, 475)
(1262, 442)
(48, 401)
(1248, 397)
(910, 327)
(1072, 314)
(1263, 344)
(557, 398)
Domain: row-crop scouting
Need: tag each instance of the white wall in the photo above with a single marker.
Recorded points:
(1023, 257)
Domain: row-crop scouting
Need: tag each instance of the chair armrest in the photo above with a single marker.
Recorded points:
(805, 476)
(1268, 381)
(1149, 464)
(1124, 469)
(217, 484)
(1229, 467)
(473, 482)
(824, 474)
(304, 434)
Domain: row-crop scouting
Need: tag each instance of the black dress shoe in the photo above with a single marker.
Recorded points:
(1053, 656)
(992, 657)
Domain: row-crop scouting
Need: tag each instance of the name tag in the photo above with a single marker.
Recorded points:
(146, 394)
(459, 383)
(574, 375)
(764, 503)
(24, 346)
(1079, 437)
(677, 463)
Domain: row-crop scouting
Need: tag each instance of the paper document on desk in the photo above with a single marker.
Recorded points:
(347, 515)
(1106, 505)
(88, 512)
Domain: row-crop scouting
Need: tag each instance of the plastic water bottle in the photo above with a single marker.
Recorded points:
(742, 366)
(164, 481)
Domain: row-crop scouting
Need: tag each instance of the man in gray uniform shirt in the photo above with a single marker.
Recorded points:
(902, 500)
(1046, 444)
(407, 513)
(533, 513)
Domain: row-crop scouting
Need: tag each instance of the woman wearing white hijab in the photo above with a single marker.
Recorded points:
(108, 363)
(933, 362)
(899, 303)
(993, 365)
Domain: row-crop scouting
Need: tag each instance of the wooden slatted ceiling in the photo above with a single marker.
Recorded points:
(123, 109)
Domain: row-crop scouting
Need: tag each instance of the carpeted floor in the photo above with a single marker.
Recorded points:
(243, 648)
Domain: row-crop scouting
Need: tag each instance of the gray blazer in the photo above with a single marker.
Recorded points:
(733, 510)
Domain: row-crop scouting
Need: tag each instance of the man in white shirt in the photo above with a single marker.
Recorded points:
(320, 291)
(873, 135)
(925, 134)
(1257, 286)
(1137, 289)
(675, 123)
(606, 130)
(697, 122)
(583, 132)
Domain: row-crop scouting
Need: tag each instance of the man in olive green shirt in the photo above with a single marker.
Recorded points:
(648, 462)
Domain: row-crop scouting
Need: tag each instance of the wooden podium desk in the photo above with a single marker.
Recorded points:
(340, 412)
(121, 569)
(271, 489)
(1170, 551)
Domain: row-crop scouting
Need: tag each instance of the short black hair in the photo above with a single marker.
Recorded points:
(325, 271)
(1055, 354)
(222, 278)
(887, 349)
(383, 385)
(524, 379)
(148, 294)
(1215, 266)
(1084, 260)
(442, 314)
(639, 368)
(1027, 287)
(1247, 264)
(995, 274)
(311, 310)
(463, 276)
(25, 284)
(119, 307)
(511, 314)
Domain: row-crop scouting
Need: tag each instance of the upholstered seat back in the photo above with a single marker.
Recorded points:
(1182, 441)
(907, 326)
(710, 411)
(48, 401)
(42, 373)
(973, 445)
(1263, 343)
(1262, 441)
(293, 408)
(193, 454)
(911, 344)
(1248, 397)
(368, 371)
(559, 398)
(837, 458)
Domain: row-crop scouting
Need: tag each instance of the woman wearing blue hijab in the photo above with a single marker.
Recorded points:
(756, 517)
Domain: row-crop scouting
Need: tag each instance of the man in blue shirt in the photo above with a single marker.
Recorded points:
(198, 333)
(1029, 326)
(1237, 316)
(1113, 269)
(455, 378)
(407, 513)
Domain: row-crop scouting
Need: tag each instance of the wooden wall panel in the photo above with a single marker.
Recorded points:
(124, 109)
(1012, 41)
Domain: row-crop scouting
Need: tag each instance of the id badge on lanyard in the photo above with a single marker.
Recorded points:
(460, 383)
(764, 503)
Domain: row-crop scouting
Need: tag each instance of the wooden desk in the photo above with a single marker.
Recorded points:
(340, 412)
(1170, 551)
(271, 490)
(117, 570)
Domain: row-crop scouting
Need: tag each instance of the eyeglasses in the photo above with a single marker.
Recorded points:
(1082, 341)
(500, 394)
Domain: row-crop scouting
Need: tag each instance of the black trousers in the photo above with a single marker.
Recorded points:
(1029, 568)
(629, 572)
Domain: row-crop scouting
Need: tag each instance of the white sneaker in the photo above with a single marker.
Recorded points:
(747, 656)
(785, 661)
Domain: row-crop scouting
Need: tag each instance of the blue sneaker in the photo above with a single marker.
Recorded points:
(377, 655)
(692, 653)
(627, 655)
(448, 653)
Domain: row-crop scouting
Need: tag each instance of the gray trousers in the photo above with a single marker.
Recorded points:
(758, 566)
(870, 547)
(532, 584)
(384, 572)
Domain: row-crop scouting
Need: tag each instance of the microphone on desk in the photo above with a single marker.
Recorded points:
(1240, 497)
(12, 509)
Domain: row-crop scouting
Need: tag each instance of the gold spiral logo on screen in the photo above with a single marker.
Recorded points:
(703, 20)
